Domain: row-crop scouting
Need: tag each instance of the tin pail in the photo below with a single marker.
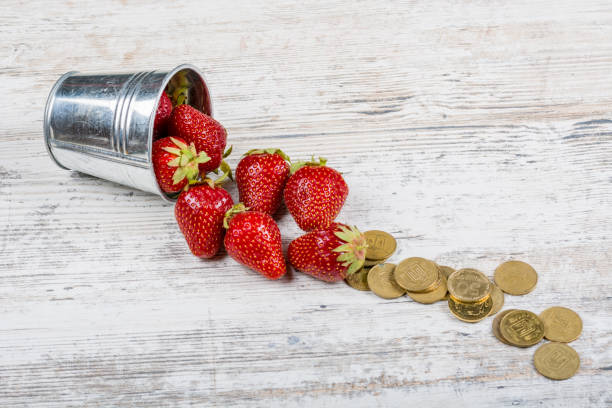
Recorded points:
(102, 124)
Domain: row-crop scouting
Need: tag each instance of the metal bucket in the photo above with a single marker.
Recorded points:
(102, 124)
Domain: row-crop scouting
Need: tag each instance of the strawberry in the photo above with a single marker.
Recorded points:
(329, 254)
(314, 194)
(253, 239)
(199, 212)
(207, 134)
(175, 164)
(162, 116)
(261, 176)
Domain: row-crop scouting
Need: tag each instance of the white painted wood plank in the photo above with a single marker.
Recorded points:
(475, 132)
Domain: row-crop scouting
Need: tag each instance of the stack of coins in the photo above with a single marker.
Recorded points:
(381, 245)
(472, 296)
(522, 328)
(422, 280)
(519, 328)
(469, 295)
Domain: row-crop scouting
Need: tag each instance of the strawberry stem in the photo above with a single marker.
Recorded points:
(299, 164)
(238, 208)
(227, 173)
(268, 151)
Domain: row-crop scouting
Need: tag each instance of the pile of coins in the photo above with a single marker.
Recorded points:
(522, 328)
(471, 297)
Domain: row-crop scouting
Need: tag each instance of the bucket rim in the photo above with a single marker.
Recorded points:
(169, 75)
(47, 117)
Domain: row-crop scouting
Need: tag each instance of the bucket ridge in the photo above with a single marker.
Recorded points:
(102, 123)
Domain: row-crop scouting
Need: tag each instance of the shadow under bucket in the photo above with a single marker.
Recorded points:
(102, 124)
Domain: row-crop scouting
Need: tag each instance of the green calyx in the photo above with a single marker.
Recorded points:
(299, 164)
(180, 96)
(178, 89)
(186, 161)
(226, 170)
(238, 208)
(352, 252)
(226, 173)
(268, 151)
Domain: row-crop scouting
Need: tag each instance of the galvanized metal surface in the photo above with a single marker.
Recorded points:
(102, 124)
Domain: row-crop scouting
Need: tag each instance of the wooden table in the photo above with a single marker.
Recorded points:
(474, 132)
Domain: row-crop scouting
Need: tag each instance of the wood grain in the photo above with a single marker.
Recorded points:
(474, 132)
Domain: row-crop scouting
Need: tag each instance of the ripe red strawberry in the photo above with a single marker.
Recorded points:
(253, 239)
(261, 176)
(199, 212)
(329, 254)
(162, 116)
(207, 134)
(314, 194)
(175, 164)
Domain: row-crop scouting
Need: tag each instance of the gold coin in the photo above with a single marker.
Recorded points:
(556, 361)
(498, 299)
(435, 284)
(416, 274)
(516, 277)
(381, 282)
(495, 326)
(561, 324)
(446, 270)
(471, 303)
(369, 262)
(432, 296)
(381, 245)
(359, 279)
(470, 312)
(469, 285)
(521, 328)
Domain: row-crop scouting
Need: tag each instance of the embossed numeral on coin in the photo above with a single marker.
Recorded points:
(557, 360)
(523, 328)
(417, 273)
(376, 242)
(557, 319)
(471, 289)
